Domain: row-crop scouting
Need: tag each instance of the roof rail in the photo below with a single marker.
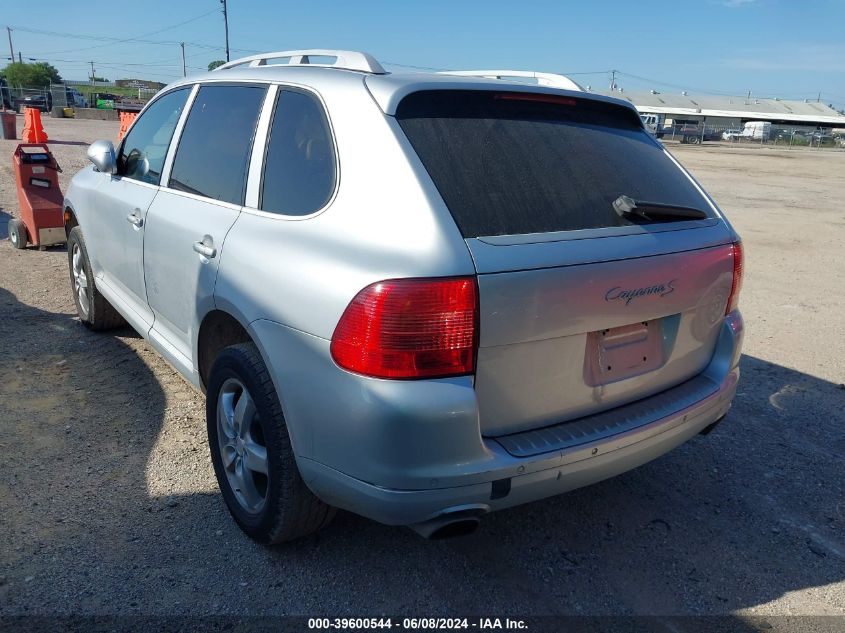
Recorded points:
(347, 60)
(543, 79)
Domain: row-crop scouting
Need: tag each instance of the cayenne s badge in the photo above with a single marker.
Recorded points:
(617, 293)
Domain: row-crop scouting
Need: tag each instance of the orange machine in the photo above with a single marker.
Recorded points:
(39, 198)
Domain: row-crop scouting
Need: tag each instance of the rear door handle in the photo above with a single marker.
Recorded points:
(135, 219)
(206, 250)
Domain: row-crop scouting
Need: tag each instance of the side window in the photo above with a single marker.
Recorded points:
(299, 167)
(145, 147)
(213, 154)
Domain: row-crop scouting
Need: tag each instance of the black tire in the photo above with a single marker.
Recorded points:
(289, 510)
(17, 233)
(100, 314)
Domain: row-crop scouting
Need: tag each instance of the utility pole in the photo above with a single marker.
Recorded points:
(226, 25)
(613, 80)
(11, 50)
(182, 44)
(92, 73)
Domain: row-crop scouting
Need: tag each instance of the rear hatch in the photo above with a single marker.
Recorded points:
(585, 303)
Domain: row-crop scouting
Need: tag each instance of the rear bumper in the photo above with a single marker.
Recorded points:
(405, 452)
(537, 477)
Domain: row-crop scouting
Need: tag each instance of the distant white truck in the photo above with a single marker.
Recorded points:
(757, 130)
(653, 122)
(78, 100)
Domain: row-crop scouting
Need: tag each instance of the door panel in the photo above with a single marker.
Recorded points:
(120, 208)
(180, 280)
(119, 242)
(190, 217)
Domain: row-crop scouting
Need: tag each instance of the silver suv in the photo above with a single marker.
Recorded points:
(416, 297)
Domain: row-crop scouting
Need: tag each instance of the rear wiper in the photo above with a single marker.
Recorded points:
(626, 206)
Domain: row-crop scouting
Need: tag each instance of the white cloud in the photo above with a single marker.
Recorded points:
(734, 4)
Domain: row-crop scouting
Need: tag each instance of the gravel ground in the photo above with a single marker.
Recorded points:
(109, 504)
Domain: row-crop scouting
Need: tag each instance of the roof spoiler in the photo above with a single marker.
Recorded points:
(551, 80)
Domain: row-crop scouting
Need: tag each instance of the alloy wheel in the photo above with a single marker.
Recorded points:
(80, 280)
(243, 450)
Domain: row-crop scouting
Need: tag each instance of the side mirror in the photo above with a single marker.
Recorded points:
(101, 153)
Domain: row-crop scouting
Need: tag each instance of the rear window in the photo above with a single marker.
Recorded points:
(509, 164)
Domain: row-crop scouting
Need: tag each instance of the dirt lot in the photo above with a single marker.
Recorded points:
(109, 504)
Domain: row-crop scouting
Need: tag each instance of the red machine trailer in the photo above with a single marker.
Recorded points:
(40, 199)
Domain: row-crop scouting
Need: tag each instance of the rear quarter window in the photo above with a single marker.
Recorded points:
(506, 163)
(299, 169)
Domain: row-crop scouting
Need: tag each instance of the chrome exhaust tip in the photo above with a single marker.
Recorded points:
(450, 524)
(455, 529)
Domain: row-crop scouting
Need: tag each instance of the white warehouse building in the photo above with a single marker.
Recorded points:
(732, 111)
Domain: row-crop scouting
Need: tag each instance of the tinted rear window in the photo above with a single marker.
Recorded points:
(506, 164)
(299, 170)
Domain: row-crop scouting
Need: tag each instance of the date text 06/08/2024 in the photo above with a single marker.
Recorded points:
(415, 624)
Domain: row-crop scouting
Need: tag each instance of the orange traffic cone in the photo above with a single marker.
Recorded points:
(126, 119)
(33, 131)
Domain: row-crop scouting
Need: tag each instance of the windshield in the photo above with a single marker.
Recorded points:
(510, 163)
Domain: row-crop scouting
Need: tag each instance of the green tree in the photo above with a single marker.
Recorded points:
(215, 64)
(35, 75)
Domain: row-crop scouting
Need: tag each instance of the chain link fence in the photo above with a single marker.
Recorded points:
(16, 98)
(757, 133)
(74, 96)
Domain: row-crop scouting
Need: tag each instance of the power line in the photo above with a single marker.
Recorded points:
(110, 41)
(207, 48)
(593, 72)
(677, 86)
(706, 91)
(101, 63)
(43, 57)
(116, 41)
(410, 66)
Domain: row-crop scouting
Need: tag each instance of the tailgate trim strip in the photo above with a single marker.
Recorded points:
(608, 423)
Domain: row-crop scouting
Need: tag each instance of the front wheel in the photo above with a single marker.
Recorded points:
(252, 454)
(93, 309)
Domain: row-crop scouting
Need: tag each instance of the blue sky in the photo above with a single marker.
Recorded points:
(786, 48)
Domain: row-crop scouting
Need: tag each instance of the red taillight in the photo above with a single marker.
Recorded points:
(733, 298)
(409, 328)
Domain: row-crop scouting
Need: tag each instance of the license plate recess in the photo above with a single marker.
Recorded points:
(623, 352)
